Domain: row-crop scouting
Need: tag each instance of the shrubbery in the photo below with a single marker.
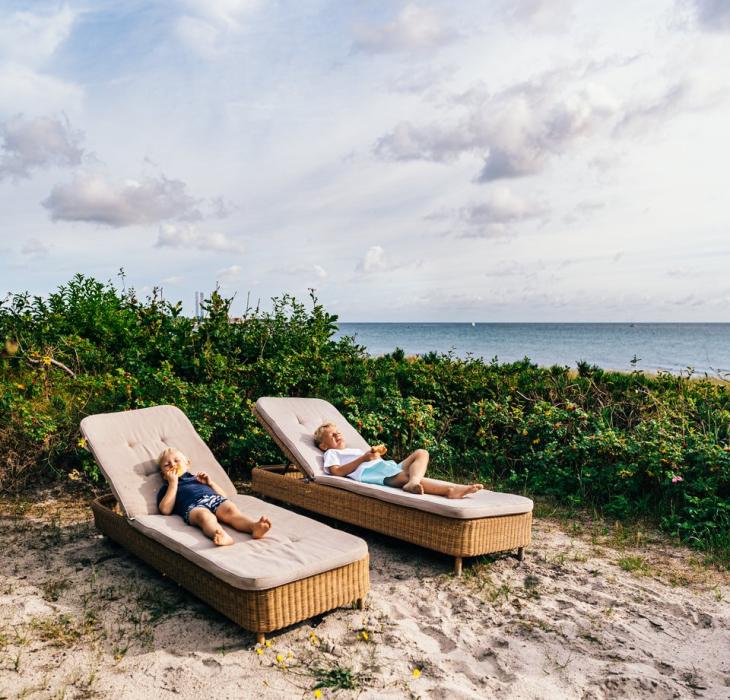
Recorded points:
(629, 444)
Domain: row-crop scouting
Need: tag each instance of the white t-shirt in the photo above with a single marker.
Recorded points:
(334, 457)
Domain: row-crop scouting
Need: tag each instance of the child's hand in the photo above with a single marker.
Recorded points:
(170, 476)
(203, 478)
(371, 455)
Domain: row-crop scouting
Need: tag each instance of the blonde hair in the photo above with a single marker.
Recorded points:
(319, 433)
(166, 452)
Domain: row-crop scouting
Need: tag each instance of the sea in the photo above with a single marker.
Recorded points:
(679, 348)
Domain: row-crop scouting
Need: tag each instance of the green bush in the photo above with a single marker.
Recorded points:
(626, 443)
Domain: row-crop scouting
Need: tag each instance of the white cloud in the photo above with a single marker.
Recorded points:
(517, 130)
(208, 26)
(229, 274)
(685, 95)
(95, 198)
(188, 236)
(499, 212)
(34, 248)
(32, 39)
(712, 15)
(540, 15)
(30, 144)
(28, 43)
(373, 261)
(414, 28)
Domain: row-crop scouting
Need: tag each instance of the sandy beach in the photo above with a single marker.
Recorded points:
(588, 614)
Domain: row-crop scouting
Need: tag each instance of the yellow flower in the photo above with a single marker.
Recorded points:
(259, 651)
(524, 433)
(81, 442)
(74, 475)
(267, 643)
(22, 386)
(365, 635)
(536, 441)
(46, 360)
(318, 693)
(416, 672)
(279, 658)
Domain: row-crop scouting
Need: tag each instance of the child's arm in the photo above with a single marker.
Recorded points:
(168, 500)
(203, 478)
(345, 469)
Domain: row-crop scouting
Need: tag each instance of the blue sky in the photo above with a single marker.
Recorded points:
(541, 160)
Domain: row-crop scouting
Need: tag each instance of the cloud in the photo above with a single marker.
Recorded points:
(95, 198)
(516, 130)
(302, 272)
(413, 29)
(34, 248)
(498, 213)
(31, 144)
(28, 43)
(373, 261)
(540, 15)
(207, 26)
(188, 236)
(32, 39)
(712, 15)
(229, 274)
(685, 95)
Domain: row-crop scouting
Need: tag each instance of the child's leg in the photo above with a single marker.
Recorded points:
(444, 488)
(414, 468)
(228, 513)
(435, 488)
(208, 523)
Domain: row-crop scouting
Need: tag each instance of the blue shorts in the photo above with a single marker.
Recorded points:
(210, 502)
(380, 471)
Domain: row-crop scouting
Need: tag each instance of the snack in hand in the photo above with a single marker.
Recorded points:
(379, 449)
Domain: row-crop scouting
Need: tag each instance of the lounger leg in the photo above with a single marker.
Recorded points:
(260, 637)
(520, 554)
(360, 603)
(457, 566)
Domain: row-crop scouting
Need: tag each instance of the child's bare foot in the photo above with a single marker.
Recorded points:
(459, 490)
(221, 537)
(260, 527)
(414, 488)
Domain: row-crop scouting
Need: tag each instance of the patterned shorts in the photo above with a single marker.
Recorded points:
(210, 502)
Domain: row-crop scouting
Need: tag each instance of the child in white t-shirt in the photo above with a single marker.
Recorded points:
(370, 467)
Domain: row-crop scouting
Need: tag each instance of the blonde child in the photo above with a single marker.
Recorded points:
(199, 501)
(370, 468)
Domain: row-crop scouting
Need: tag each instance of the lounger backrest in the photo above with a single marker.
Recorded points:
(126, 446)
(294, 420)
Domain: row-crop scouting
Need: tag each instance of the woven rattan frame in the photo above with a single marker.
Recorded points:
(458, 537)
(257, 611)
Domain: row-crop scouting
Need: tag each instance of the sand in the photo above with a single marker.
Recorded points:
(586, 615)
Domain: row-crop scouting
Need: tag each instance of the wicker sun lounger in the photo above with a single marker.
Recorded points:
(301, 568)
(481, 523)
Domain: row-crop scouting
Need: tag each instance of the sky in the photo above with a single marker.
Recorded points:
(505, 160)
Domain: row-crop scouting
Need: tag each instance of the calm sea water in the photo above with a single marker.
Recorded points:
(672, 347)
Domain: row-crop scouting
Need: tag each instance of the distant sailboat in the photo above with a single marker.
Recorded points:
(473, 324)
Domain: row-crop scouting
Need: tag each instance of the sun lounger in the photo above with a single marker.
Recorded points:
(481, 523)
(301, 568)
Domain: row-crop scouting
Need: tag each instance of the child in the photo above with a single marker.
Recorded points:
(200, 501)
(370, 468)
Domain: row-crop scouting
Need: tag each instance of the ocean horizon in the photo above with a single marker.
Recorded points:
(691, 347)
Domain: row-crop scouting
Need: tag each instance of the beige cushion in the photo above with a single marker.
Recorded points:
(294, 420)
(296, 546)
(483, 504)
(126, 446)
